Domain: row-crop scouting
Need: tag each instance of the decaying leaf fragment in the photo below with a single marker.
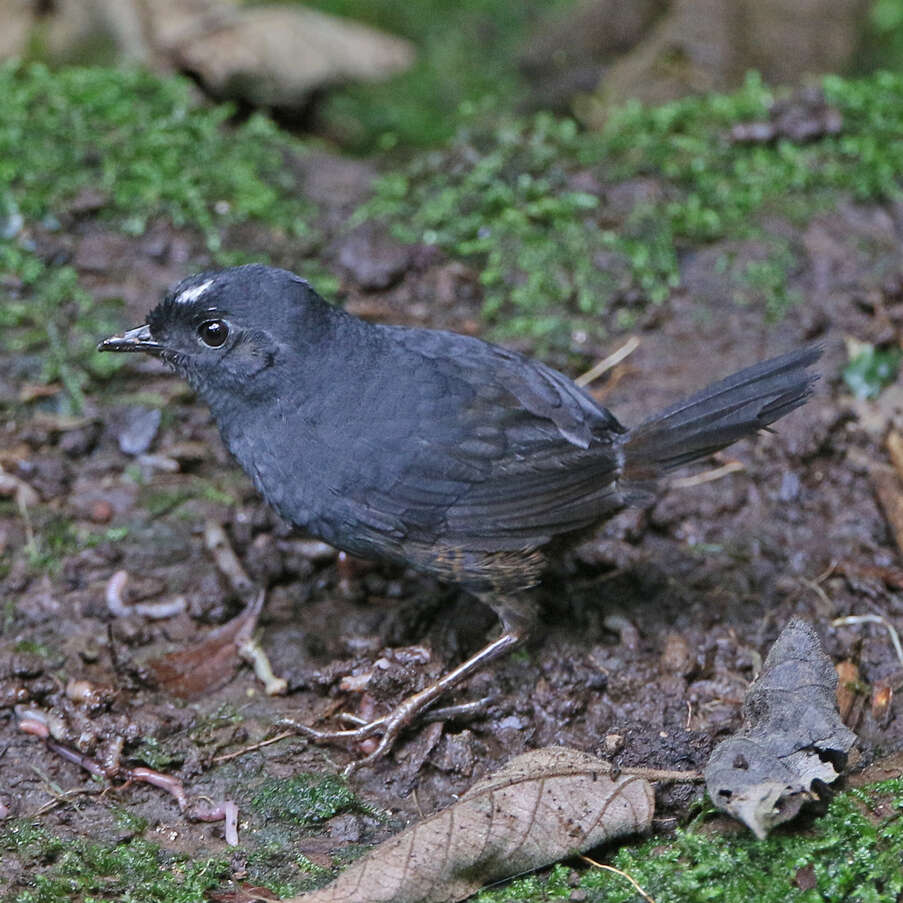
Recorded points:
(189, 673)
(792, 736)
(542, 806)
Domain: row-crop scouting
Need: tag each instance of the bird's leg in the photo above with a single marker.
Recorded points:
(516, 616)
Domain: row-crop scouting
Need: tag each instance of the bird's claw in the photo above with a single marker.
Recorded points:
(388, 728)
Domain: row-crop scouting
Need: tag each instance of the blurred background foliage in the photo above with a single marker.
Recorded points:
(573, 232)
(470, 63)
(466, 63)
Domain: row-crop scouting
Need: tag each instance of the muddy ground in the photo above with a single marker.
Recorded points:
(650, 631)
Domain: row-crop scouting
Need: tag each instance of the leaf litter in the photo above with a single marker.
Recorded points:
(542, 806)
(793, 741)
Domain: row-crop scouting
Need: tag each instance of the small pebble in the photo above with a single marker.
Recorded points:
(101, 511)
(139, 429)
(790, 487)
(677, 657)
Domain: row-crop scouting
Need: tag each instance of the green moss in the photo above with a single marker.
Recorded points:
(56, 537)
(284, 871)
(502, 199)
(158, 502)
(151, 153)
(554, 260)
(135, 872)
(855, 853)
(467, 59)
(159, 755)
(33, 648)
(882, 45)
(127, 821)
(147, 146)
(305, 799)
(764, 281)
(870, 370)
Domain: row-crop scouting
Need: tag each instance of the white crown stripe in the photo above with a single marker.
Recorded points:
(192, 294)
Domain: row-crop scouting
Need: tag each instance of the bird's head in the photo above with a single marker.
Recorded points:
(225, 330)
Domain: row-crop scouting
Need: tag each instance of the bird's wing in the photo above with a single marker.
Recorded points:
(495, 451)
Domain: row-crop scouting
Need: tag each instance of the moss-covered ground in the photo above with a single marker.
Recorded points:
(554, 255)
(528, 205)
(524, 202)
(853, 854)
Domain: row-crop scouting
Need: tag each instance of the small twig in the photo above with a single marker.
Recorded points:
(57, 794)
(819, 591)
(630, 878)
(873, 619)
(662, 774)
(252, 652)
(228, 757)
(607, 363)
(461, 710)
(25, 497)
(827, 572)
(60, 799)
(707, 476)
(218, 545)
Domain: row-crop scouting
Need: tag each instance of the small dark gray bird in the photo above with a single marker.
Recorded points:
(429, 448)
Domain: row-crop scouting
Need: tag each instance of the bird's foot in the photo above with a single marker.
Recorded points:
(389, 727)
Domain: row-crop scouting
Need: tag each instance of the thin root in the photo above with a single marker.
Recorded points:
(630, 878)
(607, 363)
(707, 476)
(874, 619)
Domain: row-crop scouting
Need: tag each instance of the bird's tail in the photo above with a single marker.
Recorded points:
(719, 415)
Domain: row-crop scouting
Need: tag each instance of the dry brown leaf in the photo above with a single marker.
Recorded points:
(882, 697)
(895, 449)
(541, 807)
(850, 693)
(889, 490)
(206, 665)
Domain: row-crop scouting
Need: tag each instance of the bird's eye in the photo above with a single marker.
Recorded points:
(213, 333)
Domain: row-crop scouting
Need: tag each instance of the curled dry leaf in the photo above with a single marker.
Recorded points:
(895, 450)
(542, 806)
(889, 490)
(210, 663)
(792, 737)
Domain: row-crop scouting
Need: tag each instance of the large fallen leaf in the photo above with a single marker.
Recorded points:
(889, 490)
(792, 737)
(541, 807)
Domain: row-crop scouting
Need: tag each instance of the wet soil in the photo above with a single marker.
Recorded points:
(650, 631)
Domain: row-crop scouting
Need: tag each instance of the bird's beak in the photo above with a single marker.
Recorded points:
(137, 339)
